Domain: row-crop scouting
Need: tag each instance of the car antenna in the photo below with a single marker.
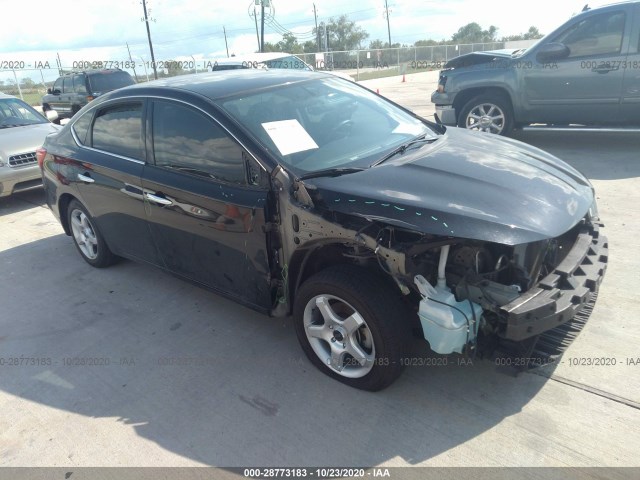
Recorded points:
(585, 8)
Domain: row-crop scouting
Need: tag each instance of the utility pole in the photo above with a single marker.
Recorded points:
(255, 17)
(326, 39)
(134, 63)
(262, 26)
(225, 40)
(315, 15)
(146, 22)
(386, 14)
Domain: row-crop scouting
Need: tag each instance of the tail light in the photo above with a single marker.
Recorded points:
(90, 97)
(40, 154)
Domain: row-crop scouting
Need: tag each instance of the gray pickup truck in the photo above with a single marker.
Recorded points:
(586, 72)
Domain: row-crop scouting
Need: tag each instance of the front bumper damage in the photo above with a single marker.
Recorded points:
(562, 294)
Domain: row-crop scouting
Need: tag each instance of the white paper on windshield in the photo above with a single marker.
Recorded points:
(289, 136)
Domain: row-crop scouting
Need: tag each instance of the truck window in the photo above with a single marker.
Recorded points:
(596, 35)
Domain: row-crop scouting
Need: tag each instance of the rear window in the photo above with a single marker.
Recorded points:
(118, 129)
(104, 82)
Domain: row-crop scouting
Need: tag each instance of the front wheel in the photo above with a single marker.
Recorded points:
(352, 326)
(487, 113)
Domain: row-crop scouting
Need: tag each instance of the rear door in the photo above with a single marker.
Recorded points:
(630, 108)
(109, 176)
(206, 217)
(66, 96)
(585, 87)
(56, 99)
(79, 98)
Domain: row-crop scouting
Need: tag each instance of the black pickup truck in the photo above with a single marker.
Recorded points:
(586, 72)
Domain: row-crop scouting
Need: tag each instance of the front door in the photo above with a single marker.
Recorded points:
(205, 217)
(585, 87)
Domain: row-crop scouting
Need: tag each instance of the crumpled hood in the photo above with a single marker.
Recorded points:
(466, 184)
(477, 58)
(27, 139)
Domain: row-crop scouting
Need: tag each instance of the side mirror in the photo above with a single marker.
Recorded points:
(49, 91)
(552, 51)
(51, 115)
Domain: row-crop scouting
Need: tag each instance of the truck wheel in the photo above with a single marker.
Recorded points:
(87, 237)
(487, 113)
(352, 326)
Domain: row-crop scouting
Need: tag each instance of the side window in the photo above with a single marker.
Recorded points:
(596, 35)
(67, 85)
(81, 127)
(118, 129)
(58, 85)
(186, 140)
(79, 84)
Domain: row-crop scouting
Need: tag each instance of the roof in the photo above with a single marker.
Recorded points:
(224, 83)
(257, 57)
(4, 95)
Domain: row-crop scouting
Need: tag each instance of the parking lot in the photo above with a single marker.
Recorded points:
(181, 377)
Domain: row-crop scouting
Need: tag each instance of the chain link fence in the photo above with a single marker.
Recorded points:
(31, 84)
(402, 60)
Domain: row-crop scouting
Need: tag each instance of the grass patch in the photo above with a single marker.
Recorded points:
(389, 72)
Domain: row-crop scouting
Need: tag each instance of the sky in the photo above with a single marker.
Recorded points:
(36, 31)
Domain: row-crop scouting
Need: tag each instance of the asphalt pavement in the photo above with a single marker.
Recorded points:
(128, 366)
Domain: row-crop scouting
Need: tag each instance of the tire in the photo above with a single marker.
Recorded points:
(87, 238)
(362, 315)
(488, 113)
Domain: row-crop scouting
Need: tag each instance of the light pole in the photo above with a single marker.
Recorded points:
(146, 22)
(386, 14)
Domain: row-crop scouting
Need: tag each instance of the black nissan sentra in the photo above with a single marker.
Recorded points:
(298, 193)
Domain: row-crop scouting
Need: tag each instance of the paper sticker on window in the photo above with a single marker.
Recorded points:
(289, 136)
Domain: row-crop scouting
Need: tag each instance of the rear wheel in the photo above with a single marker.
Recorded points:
(87, 237)
(488, 113)
(352, 326)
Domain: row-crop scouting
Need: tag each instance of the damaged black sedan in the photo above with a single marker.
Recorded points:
(302, 194)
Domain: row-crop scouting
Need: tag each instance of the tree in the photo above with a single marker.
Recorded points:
(473, 33)
(342, 34)
(28, 83)
(270, 47)
(174, 68)
(289, 43)
(309, 46)
(428, 43)
(532, 34)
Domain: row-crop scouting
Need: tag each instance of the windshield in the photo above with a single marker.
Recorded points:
(324, 124)
(15, 113)
(290, 62)
(107, 81)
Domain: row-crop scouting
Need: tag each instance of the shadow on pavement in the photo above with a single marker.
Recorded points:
(215, 382)
(22, 201)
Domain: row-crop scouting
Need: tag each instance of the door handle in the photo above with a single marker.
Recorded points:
(603, 69)
(85, 178)
(156, 199)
